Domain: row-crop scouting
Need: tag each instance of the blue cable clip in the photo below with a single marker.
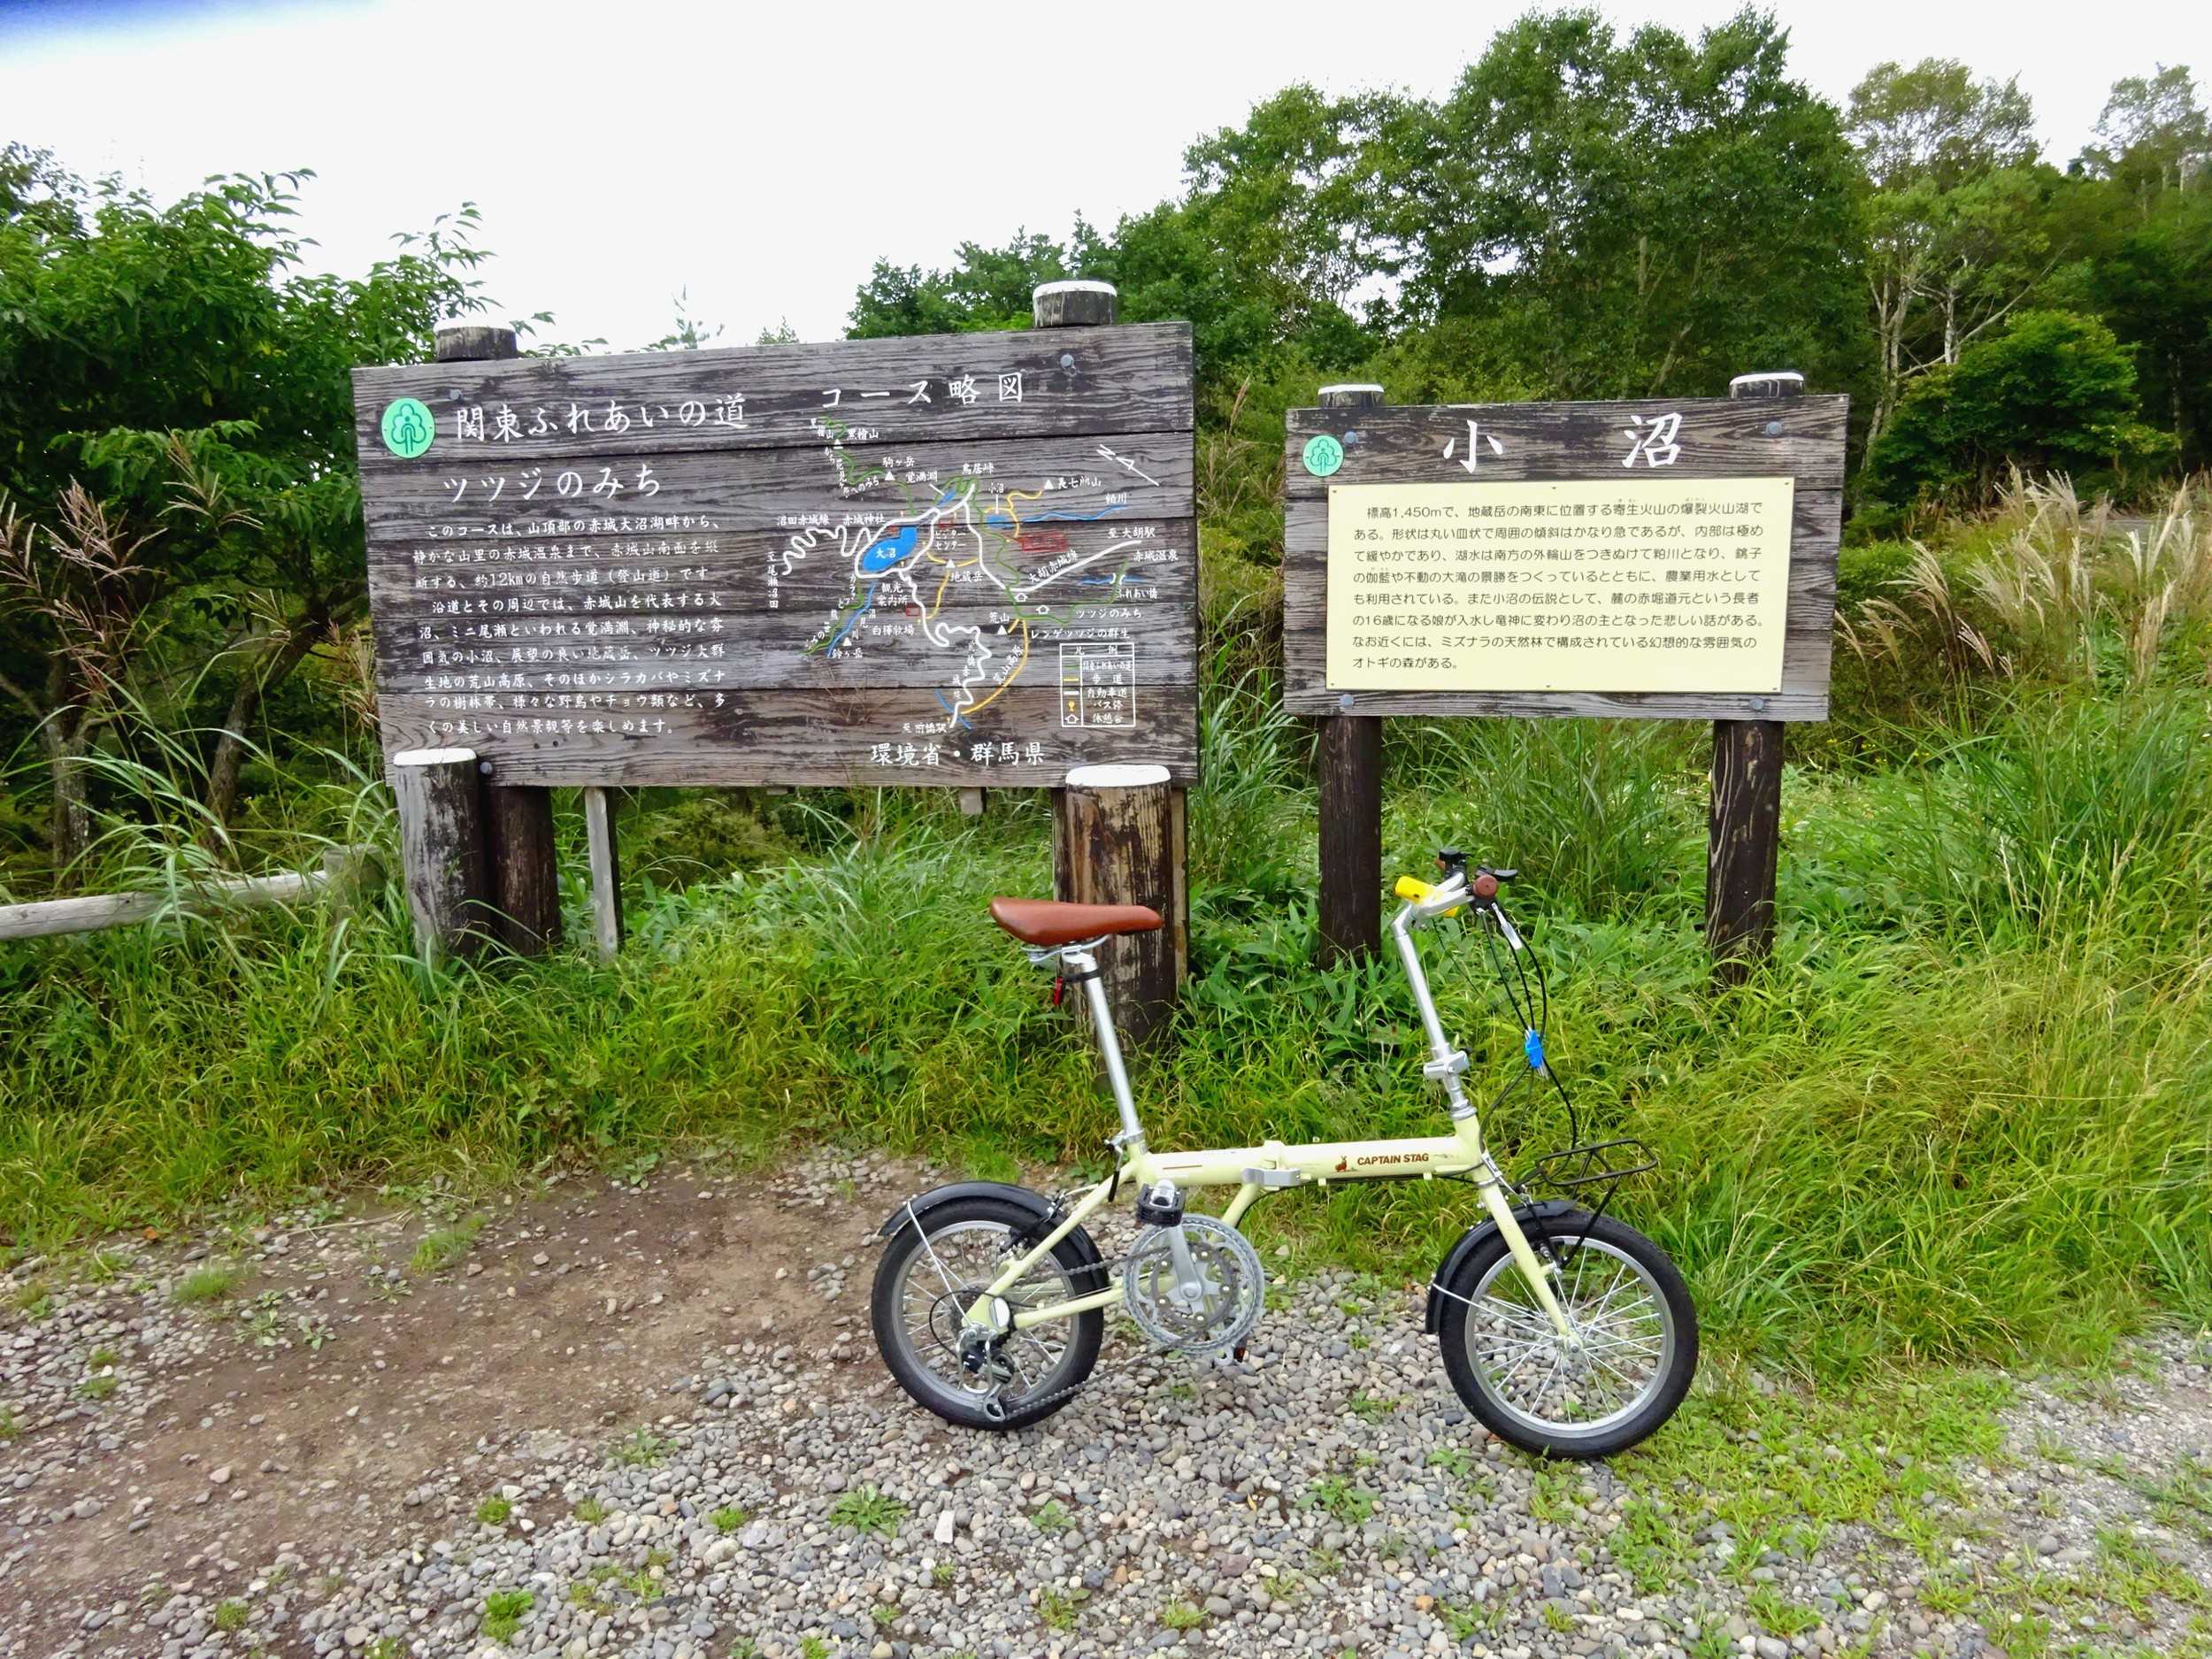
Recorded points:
(1532, 1046)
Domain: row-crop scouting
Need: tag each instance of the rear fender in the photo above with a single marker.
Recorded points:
(1552, 1209)
(1043, 1213)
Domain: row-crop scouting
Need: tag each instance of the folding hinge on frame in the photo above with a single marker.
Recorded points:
(1119, 1143)
(1451, 1065)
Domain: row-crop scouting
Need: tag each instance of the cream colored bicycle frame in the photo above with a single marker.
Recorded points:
(1255, 1171)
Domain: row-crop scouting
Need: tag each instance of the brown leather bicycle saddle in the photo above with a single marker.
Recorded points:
(1047, 922)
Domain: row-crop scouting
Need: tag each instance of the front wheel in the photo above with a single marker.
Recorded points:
(1627, 1303)
(933, 1269)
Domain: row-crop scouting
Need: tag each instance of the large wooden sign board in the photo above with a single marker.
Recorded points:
(956, 560)
(1671, 559)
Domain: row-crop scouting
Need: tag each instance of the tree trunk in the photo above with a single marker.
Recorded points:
(228, 766)
(68, 736)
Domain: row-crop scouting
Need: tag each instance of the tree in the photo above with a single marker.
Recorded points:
(988, 288)
(2149, 275)
(1935, 124)
(2141, 211)
(1295, 203)
(2054, 392)
(1955, 209)
(2154, 134)
(146, 351)
(1635, 218)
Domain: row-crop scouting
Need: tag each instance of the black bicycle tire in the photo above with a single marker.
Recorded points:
(1073, 1257)
(1570, 1228)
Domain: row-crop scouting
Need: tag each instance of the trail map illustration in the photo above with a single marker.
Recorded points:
(953, 560)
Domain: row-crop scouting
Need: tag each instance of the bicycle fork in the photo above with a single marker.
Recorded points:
(1445, 1066)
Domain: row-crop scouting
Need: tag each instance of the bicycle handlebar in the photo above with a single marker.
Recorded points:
(1481, 884)
(1416, 891)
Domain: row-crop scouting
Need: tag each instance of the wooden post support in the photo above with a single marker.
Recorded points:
(518, 851)
(606, 873)
(1118, 831)
(441, 846)
(1349, 764)
(1118, 839)
(1744, 833)
(523, 867)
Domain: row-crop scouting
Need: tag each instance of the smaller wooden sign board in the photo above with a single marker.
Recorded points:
(1667, 560)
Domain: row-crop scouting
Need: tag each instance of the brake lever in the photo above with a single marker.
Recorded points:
(1505, 926)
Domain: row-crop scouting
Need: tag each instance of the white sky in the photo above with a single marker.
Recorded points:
(764, 156)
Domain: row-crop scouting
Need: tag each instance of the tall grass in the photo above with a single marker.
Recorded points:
(1963, 1115)
(2058, 591)
(1601, 814)
(1890, 1146)
(2059, 813)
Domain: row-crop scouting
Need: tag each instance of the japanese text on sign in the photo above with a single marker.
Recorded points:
(1601, 586)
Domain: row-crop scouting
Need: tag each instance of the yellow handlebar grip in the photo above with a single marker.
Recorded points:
(1413, 888)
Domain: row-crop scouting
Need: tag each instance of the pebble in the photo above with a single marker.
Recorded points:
(1251, 1500)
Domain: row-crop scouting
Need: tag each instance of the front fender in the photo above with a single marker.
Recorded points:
(1044, 1215)
(1473, 1239)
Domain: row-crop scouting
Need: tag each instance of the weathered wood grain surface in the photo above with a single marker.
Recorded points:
(441, 801)
(343, 871)
(1743, 845)
(1719, 438)
(746, 490)
(999, 652)
(1131, 378)
(814, 738)
(720, 604)
(815, 570)
(1349, 762)
(606, 873)
(1125, 846)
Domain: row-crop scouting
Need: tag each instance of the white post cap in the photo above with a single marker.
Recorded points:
(1115, 777)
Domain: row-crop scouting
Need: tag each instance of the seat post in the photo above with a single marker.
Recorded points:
(1086, 966)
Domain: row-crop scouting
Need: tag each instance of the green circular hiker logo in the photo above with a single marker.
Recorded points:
(1323, 454)
(408, 427)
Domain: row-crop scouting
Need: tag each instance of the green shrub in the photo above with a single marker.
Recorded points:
(1869, 570)
(2054, 393)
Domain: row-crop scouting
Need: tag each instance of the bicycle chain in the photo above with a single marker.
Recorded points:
(999, 1413)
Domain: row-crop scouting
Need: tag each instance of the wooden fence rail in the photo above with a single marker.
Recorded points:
(341, 868)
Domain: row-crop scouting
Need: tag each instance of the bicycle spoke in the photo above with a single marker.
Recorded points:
(965, 1257)
(1619, 1288)
(1614, 1305)
(1635, 1387)
(1526, 1318)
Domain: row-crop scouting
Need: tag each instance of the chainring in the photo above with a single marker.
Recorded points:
(1230, 1293)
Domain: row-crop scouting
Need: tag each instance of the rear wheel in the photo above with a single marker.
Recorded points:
(1637, 1354)
(933, 1270)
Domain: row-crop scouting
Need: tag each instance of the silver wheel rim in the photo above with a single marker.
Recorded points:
(1530, 1377)
(963, 1257)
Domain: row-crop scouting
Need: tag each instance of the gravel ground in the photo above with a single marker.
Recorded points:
(780, 1497)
